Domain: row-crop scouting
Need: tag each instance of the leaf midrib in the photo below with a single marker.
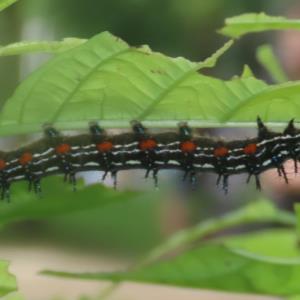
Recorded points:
(252, 98)
(84, 80)
(164, 93)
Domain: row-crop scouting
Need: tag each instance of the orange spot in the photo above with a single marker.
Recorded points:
(25, 158)
(188, 146)
(105, 146)
(2, 164)
(63, 149)
(221, 152)
(148, 144)
(250, 149)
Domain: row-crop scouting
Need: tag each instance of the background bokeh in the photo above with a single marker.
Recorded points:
(175, 28)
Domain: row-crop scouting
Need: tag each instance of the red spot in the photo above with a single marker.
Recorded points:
(188, 146)
(63, 149)
(25, 158)
(147, 144)
(2, 164)
(250, 149)
(221, 152)
(105, 146)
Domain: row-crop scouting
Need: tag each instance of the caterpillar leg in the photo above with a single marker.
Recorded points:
(257, 181)
(5, 191)
(224, 179)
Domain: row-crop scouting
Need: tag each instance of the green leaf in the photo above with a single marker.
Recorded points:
(294, 298)
(8, 282)
(272, 242)
(261, 211)
(27, 47)
(56, 200)
(6, 3)
(105, 79)
(243, 24)
(247, 72)
(249, 253)
(211, 61)
(276, 105)
(266, 57)
(126, 227)
(297, 211)
(214, 267)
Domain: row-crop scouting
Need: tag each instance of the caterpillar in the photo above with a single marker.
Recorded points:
(56, 153)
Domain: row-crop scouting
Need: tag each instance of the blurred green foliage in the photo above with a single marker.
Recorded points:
(221, 267)
(174, 27)
(8, 281)
(130, 222)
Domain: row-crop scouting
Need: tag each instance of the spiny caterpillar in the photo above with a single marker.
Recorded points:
(141, 149)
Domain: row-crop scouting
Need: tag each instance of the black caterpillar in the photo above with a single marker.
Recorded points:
(140, 149)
